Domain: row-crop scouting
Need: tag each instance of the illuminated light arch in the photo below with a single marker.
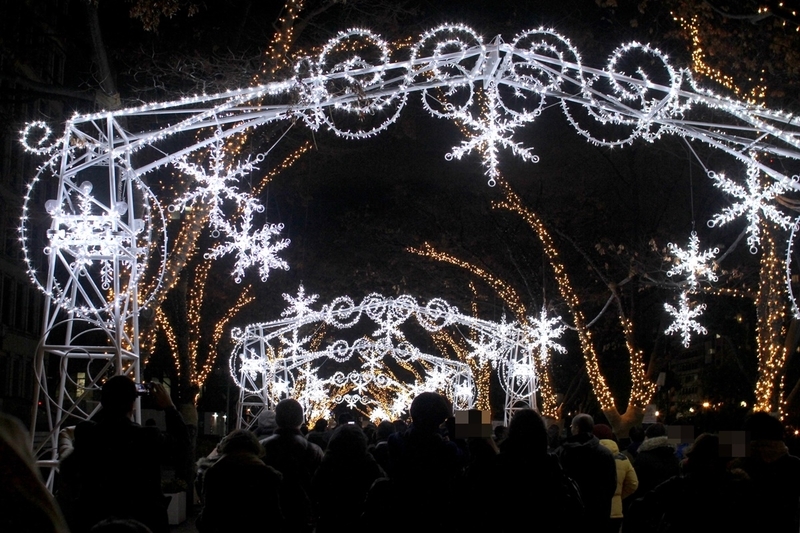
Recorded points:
(282, 358)
(356, 87)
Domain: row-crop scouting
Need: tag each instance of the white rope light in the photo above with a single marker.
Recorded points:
(268, 356)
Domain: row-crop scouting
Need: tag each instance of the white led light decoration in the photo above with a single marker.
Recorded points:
(273, 360)
(684, 319)
(755, 202)
(356, 87)
(544, 331)
(692, 263)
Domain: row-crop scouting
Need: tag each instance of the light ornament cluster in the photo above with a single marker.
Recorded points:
(694, 265)
(268, 356)
(356, 87)
(217, 188)
(685, 316)
(755, 202)
(97, 245)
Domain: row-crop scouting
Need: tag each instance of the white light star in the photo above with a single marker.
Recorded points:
(692, 263)
(544, 332)
(491, 131)
(755, 203)
(685, 322)
(299, 305)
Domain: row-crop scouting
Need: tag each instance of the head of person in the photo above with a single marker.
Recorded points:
(655, 430)
(582, 424)
(428, 411)
(763, 426)
(527, 431)
(385, 430)
(348, 440)
(241, 441)
(118, 395)
(289, 414)
(704, 454)
(604, 431)
(320, 425)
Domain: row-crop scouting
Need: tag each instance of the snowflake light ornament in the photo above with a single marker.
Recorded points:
(490, 132)
(299, 305)
(685, 322)
(755, 203)
(544, 331)
(216, 185)
(692, 263)
(256, 248)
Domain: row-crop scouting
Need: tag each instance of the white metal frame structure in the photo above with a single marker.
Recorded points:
(282, 358)
(355, 87)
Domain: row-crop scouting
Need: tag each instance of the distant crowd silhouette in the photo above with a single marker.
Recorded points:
(393, 477)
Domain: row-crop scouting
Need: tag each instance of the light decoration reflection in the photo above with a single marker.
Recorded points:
(274, 360)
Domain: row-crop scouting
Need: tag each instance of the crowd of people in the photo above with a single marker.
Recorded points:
(420, 477)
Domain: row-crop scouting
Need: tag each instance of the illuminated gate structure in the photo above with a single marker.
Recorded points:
(284, 358)
(106, 224)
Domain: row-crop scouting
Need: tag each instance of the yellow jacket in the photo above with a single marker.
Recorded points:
(626, 478)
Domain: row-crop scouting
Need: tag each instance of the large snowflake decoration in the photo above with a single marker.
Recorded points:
(544, 331)
(299, 305)
(692, 262)
(215, 185)
(256, 248)
(489, 133)
(755, 203)
(685, 322)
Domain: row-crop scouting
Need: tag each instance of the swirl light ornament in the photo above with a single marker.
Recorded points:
(279, 359)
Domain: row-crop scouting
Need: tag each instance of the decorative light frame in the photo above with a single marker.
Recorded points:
(355, 87)
(274, 360)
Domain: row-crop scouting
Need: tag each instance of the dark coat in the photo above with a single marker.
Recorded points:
(117, 466)
(288, 452)
(340, 489)
(776, 483)
(698, 502)
(655, 463)
(235, 478)
(592, 467)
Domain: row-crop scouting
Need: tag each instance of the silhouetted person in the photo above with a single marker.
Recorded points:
(529, 481)
(343, 479)
(592, 466)
(117, 462)
(25, 504)
(705, 498)
(290, 453)
(319, 434)
(239, 475)
(655, 460)
(775, 474)
(424, 465)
